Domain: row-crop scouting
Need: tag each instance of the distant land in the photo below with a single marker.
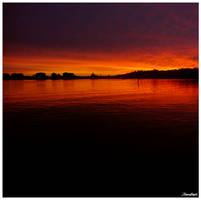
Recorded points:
(186, 73)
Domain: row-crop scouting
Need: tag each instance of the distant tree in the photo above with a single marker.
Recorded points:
(40, 76)
(6, 76)
(93, 76)
(59, 76)
(68, 75)
(17, 76)
(53, 75)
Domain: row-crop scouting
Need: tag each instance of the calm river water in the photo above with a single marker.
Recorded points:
(101, 107)
(133, 117)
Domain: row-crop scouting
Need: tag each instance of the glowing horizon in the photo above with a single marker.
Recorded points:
(113, 39)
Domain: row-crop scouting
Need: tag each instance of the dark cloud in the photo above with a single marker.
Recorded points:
(99, 27)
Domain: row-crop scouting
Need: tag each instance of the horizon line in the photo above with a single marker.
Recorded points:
(60, 73)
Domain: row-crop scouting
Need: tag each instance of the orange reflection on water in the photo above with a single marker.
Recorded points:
(144, 92)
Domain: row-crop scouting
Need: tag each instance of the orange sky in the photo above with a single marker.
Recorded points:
(108, 63)
(100, 38)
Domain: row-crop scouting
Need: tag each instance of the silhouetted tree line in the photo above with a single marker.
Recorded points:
(53, 76)
(173, 74)
(38, 76)
(170, 74)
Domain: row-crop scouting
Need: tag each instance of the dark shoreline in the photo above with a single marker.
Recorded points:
(98, 79)
(153, 74)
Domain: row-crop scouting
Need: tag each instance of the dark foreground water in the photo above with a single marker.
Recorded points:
(100, 137)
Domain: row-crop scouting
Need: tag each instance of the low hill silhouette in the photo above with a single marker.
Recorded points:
(170, 74)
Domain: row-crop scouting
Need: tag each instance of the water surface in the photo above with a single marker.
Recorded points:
(103, 108)
(126, 137)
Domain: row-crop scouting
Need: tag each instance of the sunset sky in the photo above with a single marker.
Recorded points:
(103, 38)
